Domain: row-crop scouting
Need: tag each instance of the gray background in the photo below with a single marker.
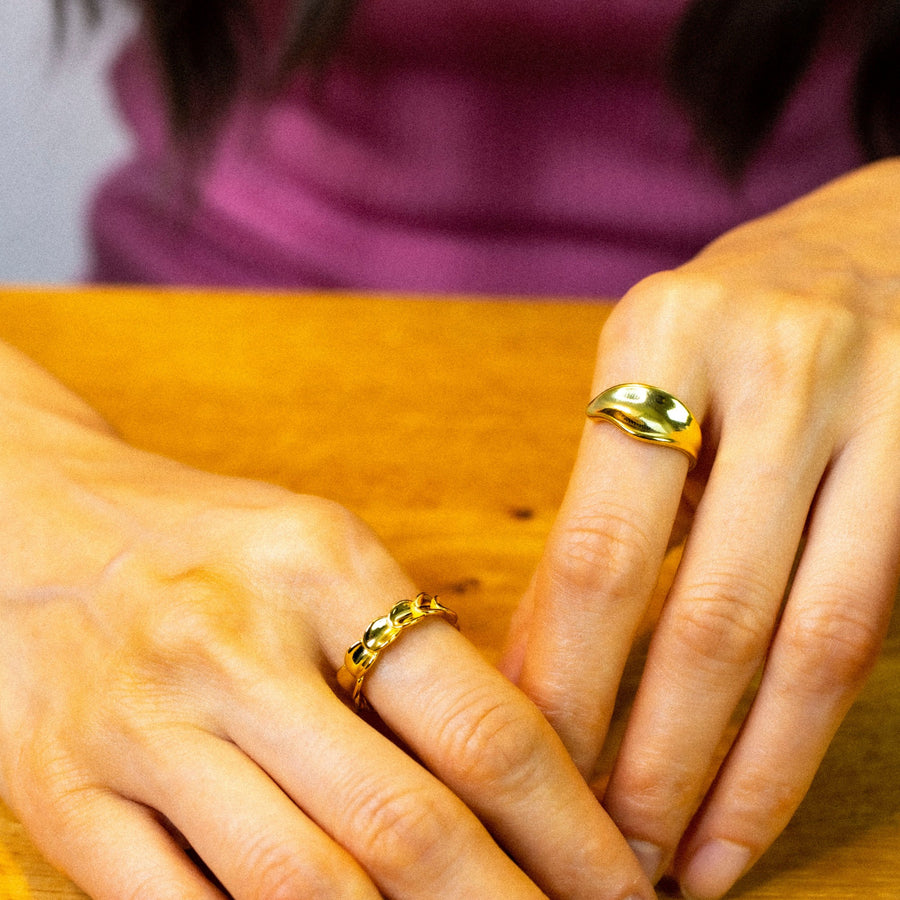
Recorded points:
(57, 134)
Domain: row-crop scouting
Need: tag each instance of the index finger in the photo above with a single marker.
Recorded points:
(597, 575)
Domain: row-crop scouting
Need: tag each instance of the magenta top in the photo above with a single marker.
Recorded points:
(478, 146)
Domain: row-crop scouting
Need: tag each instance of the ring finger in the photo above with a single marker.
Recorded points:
(599, 570)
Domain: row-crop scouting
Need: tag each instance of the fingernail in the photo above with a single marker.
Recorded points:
(713, 869)
(649, 856)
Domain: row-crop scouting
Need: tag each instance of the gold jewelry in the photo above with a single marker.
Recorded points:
(649, 414)
(360, 658)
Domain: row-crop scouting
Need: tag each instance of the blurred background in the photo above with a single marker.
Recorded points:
(58, 132)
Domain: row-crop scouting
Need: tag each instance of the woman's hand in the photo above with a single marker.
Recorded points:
(783, 338)
(168, 647)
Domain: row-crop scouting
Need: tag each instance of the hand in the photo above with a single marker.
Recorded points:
(783, 338)
(168, 647)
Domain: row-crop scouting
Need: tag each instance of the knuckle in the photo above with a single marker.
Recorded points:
(298, 523)
(807, 346)
(662, 295)
(833, 650)
(404, 830)
(327, 520)
(48, 777)
(492, 743)
(278, 873)
(68, 809)
(601, 550)
(308, 546)
(763, 798)
(722, 625)
(658, 306)
(654, 790)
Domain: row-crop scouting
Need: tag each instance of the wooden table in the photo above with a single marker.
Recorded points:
(450, 426)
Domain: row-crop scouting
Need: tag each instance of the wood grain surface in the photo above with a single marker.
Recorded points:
(450, 426)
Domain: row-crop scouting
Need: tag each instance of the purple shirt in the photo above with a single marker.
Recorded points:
(478, 146)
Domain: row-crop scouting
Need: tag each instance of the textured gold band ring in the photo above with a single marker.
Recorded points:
(360, 658)
(649, 414)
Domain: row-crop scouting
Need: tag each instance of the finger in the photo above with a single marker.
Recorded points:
(412, 835)
(513, 657)
(253, 837)
(595, 580)
(711, 637)
(600, 566)
(826, 643)
(495, 750)
(113, 848)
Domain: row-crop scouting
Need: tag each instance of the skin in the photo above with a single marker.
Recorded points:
(783, 338)
(168, 637)
(168, 644)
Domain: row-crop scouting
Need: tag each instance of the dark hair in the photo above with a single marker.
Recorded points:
(203, 49)
(733, 63)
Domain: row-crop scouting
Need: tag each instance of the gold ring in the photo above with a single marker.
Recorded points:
(360, 658)
(649, 414)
